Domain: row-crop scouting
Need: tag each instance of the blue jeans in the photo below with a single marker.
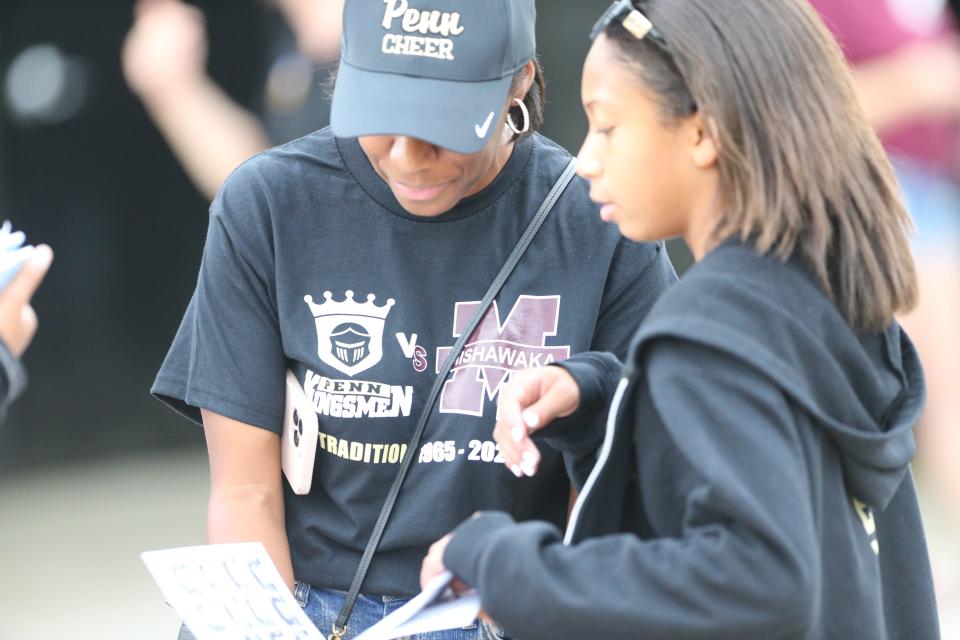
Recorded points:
(323, 605)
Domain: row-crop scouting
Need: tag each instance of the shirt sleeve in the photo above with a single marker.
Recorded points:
(579, 435)
(724, 491)
(228, 356)
(639, 273)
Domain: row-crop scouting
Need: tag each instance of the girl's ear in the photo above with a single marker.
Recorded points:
(705, 150)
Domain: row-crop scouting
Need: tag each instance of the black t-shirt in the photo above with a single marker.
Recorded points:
(311, 265)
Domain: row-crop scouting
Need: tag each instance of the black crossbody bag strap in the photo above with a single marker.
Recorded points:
(340, 626)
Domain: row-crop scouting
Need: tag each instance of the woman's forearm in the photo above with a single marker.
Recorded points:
(246, 488)
(251, 514)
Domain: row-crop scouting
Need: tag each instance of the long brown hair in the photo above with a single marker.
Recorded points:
(801, 171)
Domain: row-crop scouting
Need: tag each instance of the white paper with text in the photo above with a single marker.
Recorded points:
(229, 591)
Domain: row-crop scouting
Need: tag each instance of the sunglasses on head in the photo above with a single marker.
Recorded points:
(638, 25)
(633, 21)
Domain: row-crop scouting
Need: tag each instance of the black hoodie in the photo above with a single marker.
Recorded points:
(753, 482)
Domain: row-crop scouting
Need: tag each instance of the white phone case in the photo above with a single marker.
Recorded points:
(298, 449)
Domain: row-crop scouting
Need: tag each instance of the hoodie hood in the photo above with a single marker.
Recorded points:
(865, 390)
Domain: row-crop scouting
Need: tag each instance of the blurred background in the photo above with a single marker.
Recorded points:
(100, 158)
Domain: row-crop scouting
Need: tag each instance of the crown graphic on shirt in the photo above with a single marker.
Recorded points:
(350, 307)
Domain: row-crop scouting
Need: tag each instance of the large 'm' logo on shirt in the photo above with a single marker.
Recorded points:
(495, 350)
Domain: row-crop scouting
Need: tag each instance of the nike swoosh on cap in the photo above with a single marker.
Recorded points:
(482, 130)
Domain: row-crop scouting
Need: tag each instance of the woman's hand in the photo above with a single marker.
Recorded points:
(433, 566)
(433, 562)
(533, 399)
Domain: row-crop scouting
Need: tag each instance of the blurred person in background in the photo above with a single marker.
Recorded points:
(165, 64)
(18, 324)
(906, 59)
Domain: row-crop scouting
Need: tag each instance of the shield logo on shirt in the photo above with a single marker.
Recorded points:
(349, 333)
(351, 343)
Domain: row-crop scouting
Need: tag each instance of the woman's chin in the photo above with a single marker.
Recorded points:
(636, 232)
(425, 208)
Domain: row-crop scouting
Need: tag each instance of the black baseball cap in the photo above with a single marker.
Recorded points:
(436, 70)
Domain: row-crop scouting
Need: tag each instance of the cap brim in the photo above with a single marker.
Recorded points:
(460, 116)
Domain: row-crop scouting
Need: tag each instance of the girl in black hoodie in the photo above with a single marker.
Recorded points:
(752, 479)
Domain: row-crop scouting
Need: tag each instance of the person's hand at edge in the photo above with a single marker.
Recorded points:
(18, 320)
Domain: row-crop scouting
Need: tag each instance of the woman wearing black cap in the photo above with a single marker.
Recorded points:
(355, 258)
(754, 481)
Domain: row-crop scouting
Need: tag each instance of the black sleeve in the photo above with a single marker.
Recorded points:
(228, 356)
(579, 435)
(735, 547)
